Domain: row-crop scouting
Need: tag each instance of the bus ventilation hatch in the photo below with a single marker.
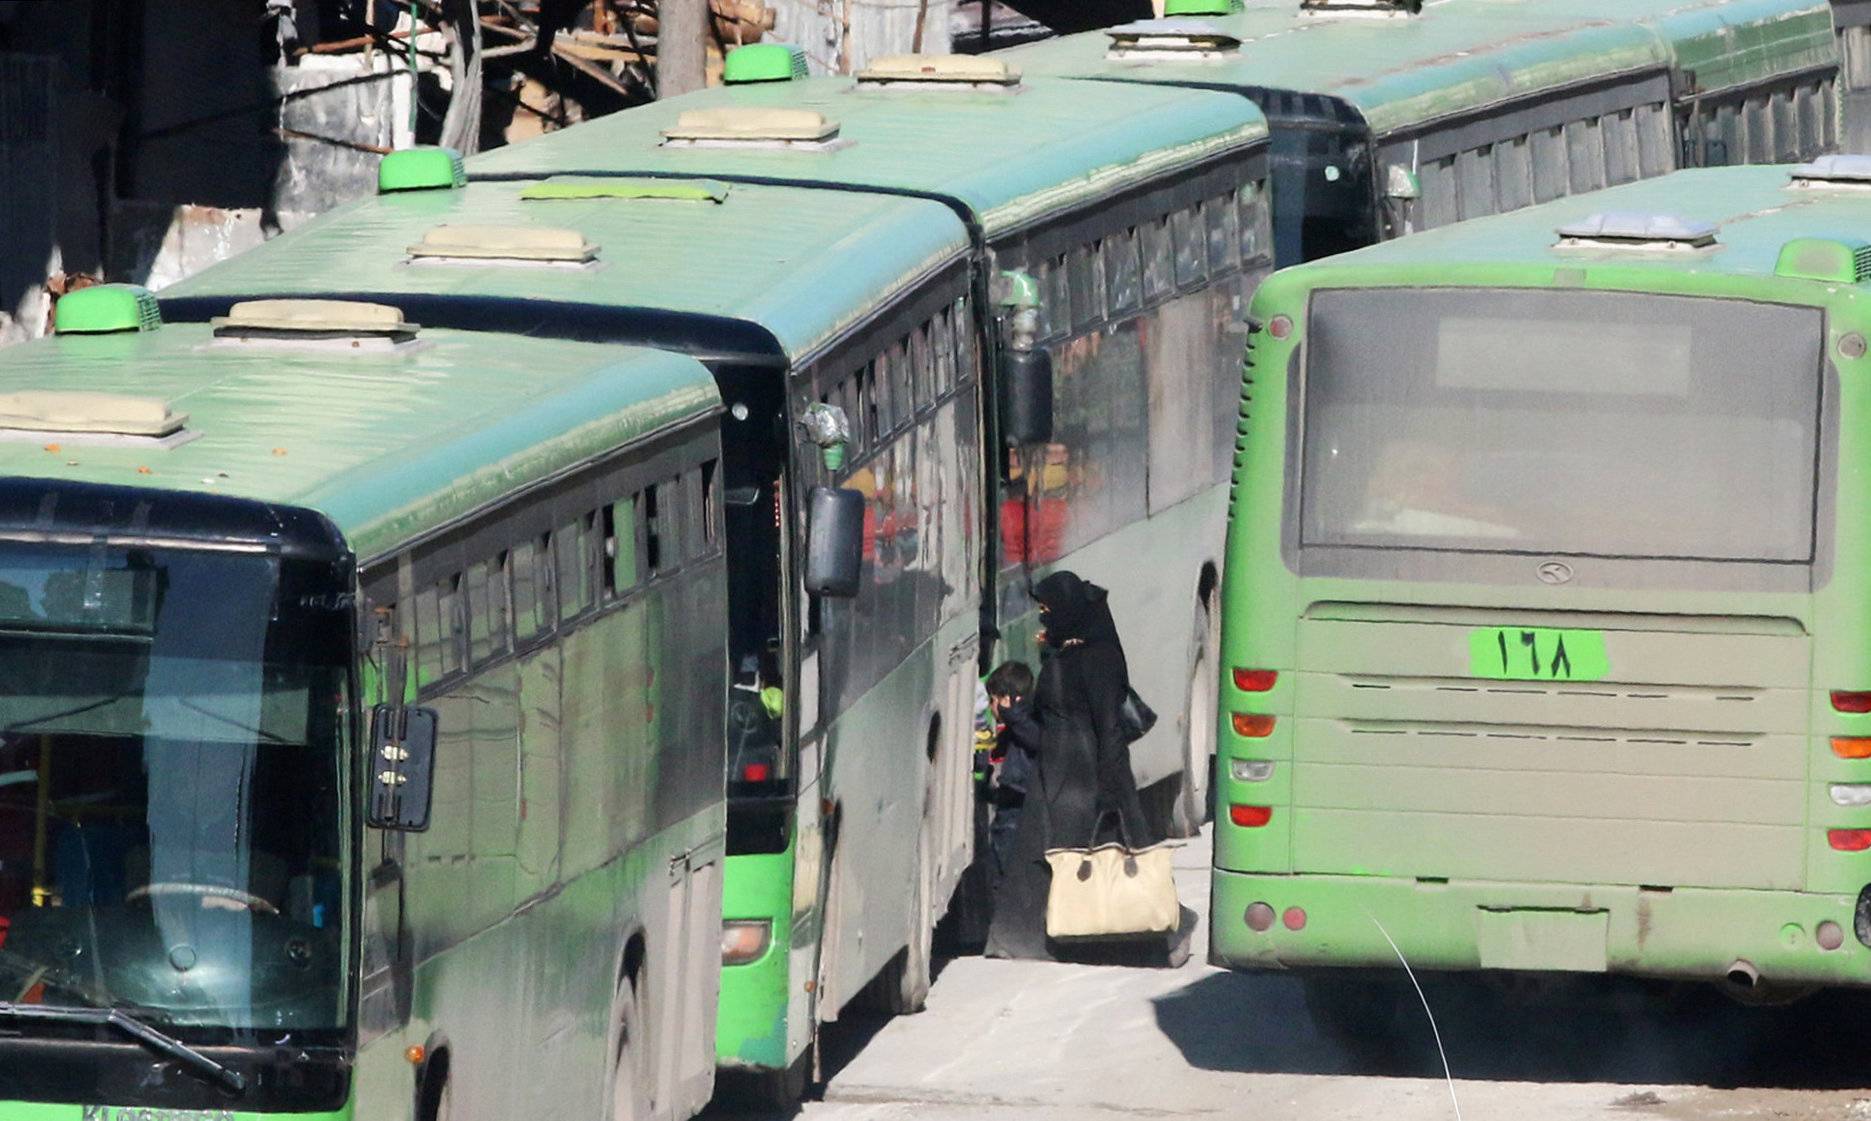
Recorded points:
(1170, 40)
(1637, 231)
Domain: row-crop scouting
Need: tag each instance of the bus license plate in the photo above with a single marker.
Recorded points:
(1537, 654)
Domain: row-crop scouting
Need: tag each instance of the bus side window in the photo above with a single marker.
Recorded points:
(942, 343)
(653, 523)
(711, 508)
(1159, 261)
(1224, 234)
(694, 521)
(922, 365)
(523, 562)
(1087, 287)
(574, 579)
(1123, 274)
(487, 610)
(1191, 248)
(429, 637)
(452, 634)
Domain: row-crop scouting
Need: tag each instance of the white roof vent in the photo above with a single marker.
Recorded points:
(1833, 172)
(741, 127)
(318, 324)
(1631, 230)
(938, 71)
(1170, 40)
(492, 245)
(65, 412)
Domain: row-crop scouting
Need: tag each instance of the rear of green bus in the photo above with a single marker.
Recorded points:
(1545, 643)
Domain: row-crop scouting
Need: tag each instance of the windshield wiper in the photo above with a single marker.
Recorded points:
(134, 1028)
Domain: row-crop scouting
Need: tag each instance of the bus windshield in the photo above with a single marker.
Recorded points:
(172, 819)
(1613, 424)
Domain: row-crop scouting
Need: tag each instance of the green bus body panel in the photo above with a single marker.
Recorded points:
(1695, 847)
(1011, 157)
(1460, 56)
(389, 445)
(1730, 43)
(750, 1030)
(794, 261)
(1688, 932)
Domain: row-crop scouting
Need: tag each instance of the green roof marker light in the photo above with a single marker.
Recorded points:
(1201, 7)
(421, 169)
(763, 62)
(105, 309)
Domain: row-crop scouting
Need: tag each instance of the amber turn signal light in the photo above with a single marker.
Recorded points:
(1253, 725)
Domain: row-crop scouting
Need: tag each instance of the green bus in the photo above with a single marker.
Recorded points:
(1541, 624)
(442, 836)
(851, 814)
(1386, 124)
(1128, 227)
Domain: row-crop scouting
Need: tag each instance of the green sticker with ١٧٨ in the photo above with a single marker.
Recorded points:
(1537, 654)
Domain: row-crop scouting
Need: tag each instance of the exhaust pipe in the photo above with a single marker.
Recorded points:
(1742, 975)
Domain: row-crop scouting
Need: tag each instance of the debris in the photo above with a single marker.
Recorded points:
(1642, 1099)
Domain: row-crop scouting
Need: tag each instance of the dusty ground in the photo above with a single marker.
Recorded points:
(1004, 1040)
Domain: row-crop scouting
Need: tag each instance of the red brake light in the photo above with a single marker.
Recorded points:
(756, 772)
(1253, 725)
(1255, 680)
(1253, 817)
(1849, 840)
(1294, 918)
(1851, 702)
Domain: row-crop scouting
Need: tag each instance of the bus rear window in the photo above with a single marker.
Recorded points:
(1600, 423)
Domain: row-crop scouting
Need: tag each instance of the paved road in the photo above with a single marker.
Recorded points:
(1041, 1042)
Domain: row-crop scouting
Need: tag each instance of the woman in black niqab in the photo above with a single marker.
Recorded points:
(1087, 792)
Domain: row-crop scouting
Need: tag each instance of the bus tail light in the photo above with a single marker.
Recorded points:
(744, 940)
(1255, 680)
(1253, 725)
(1849, 840)
(1851, 747)
(1829, 935)
(756, 772)
(1294, 918)
(1851, 793)
(1843, 701)
(1251, 770)
(1253, 817)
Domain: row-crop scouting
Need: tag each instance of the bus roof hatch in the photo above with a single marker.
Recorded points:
(1636, 230)
(1170, 40)
(1833, 172)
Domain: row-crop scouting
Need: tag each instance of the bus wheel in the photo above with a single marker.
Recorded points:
(630, 1099)
(1194, 803)
(437, 1100)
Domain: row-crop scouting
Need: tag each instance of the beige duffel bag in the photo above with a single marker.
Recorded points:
(1111, 891)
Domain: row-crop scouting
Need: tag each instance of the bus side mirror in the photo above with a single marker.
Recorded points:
(402, 767)
(1025, 397)
(834, 541)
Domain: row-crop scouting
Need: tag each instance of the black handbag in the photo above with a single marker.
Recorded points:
(1134, 718)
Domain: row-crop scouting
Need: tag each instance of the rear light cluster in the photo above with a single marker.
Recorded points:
(1259, 918)
(1849, 794)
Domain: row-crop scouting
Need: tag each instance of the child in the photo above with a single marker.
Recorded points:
(1015, 757)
